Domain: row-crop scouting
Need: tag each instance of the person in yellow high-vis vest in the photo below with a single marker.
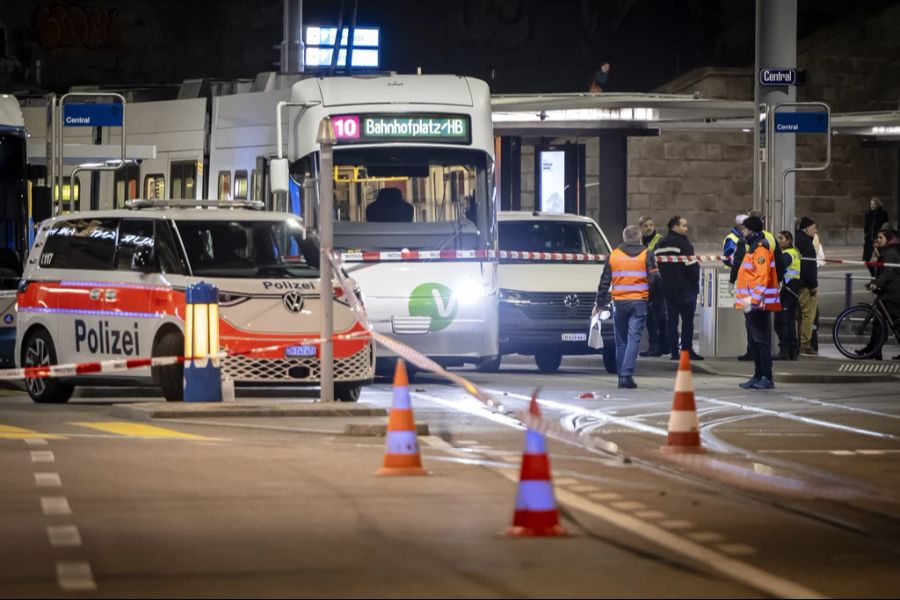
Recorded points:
(656, 311)
(627, 277)
(786, 319)
(756, 293)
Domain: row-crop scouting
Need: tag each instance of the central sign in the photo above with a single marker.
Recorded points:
(778, 77)
(105, 114)
(355, 129)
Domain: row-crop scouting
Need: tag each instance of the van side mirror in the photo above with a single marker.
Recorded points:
(279, 176)
(143, 260)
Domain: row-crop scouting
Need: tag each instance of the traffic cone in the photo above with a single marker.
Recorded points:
(684, 428)
(536, 512)
(401, 455)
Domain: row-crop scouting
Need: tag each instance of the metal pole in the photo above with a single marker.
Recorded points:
(326, 140)
(848, 290)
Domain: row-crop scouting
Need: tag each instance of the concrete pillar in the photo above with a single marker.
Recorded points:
(776, 47)
(613, 214)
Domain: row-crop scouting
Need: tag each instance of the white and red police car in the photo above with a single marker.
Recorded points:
(110, 284)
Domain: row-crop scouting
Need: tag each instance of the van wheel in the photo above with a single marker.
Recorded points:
(548, 361)
(609, 359)
(38, 351)
(489, 364)
(347, 392)
(170, 378)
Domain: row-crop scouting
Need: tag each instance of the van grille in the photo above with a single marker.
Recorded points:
(359, 366)
(552, 305)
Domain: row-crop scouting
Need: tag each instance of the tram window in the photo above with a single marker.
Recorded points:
(126, 184)
(224, 185)
(154, 186)
(240, 185)
(184, 179)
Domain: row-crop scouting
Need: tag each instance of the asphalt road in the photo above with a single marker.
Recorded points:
(795, 498)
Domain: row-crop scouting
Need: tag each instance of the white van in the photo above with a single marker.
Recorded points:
(546, 304)
(110, 284)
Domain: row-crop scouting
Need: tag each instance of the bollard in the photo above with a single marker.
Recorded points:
(848, 290)
(202, 376)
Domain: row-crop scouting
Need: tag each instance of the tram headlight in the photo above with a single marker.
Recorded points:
(470, 291)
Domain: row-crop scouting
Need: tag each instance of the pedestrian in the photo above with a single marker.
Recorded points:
(680, 285)
(737, 260)
(732, 238)
(876, 217)
(656, 311)
(809, 283)
(756, 293)
(627, 277)
(600, 78)
(786, 318)
(887, 283)
(887, 250)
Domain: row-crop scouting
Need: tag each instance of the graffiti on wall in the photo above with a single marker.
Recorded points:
(76, 26)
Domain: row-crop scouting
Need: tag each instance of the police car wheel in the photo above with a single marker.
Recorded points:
(548, 361)
(170, 378)
(609, 360)
(489, 364)
(38, 351)
(347, 392)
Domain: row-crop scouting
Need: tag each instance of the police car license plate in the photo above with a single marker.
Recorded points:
(300, 351)
(574, 337)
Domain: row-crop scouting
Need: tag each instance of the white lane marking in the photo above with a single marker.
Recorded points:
(63, 536)
(584, 488)
(871, 452)
(510, 459)
(75, 576)
(867, 411)
(736, 549)
(466, 443)
(676, 524)
(55, 505)
(842, 452)
(740, 571)
(628, 505)
(473, 407)
(36, 441)
(566, 481)
(650, 514)
(605, 496)
(706, 536)
(807, 420)
(839, 452)
(42, 456)
(47, 480)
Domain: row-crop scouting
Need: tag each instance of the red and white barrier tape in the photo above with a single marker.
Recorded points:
(118, 365)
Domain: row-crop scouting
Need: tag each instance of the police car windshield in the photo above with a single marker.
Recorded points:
(551, 236)
(247, 249)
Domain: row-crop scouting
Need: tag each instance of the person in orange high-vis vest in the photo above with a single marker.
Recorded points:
(627, 278)
(756, 293)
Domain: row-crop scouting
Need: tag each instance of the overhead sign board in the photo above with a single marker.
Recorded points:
(801, 122)
(450, 129)
(778, 77)
(107, 114)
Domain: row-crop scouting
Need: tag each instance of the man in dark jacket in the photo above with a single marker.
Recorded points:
(680, 285)
(809, 282)
(656, 310)
(876, 217)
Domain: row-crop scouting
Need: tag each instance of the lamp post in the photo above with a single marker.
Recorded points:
(325, 138)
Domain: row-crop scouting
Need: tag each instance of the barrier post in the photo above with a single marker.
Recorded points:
(202, 376)
(848, 290)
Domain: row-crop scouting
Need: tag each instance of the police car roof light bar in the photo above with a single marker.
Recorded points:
(161, 203)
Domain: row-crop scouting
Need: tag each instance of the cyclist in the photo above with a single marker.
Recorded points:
(887, 282)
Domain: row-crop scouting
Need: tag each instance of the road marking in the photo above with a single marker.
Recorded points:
(650, 514)
(628, 505)
(605, 496)
(466, 443)
(10, 432)
(75, 576)
(566, 481)
(736, 549)
(140, 430)
(842, 452)
(706, 536)
(36, 441)
(676, 524)
(584, 488)
(42, 456)
(47, 480)
(63, 536)
(55, 505)
(872, 452)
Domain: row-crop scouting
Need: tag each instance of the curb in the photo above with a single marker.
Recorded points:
(146, 411)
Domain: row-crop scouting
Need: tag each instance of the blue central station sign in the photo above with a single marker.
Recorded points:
(92, 115)
(778, 77)
(801, 122)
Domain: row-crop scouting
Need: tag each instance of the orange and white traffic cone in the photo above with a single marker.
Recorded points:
(401, 455)
(684, 428)
(536, 511)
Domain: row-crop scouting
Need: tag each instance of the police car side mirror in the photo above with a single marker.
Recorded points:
(143, 260)
(278, 175)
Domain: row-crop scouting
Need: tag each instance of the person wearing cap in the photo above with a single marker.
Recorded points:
(627, 277)
(656, 310)
(809, 282)
(730, 244)
(756, 293)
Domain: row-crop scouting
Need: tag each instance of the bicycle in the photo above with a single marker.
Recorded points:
(861, 331)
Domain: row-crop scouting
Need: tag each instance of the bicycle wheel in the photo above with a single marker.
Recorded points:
(859, 332)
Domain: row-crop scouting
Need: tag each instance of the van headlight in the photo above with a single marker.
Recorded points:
(513, 297)
(470, 291)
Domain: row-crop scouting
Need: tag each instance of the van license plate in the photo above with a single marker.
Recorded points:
(574, 337)
(300, 351)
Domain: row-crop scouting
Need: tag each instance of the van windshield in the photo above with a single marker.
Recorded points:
(248, 249)
(551, 236)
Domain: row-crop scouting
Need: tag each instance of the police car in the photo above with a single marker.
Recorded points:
(545, 305)
(110, 284)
